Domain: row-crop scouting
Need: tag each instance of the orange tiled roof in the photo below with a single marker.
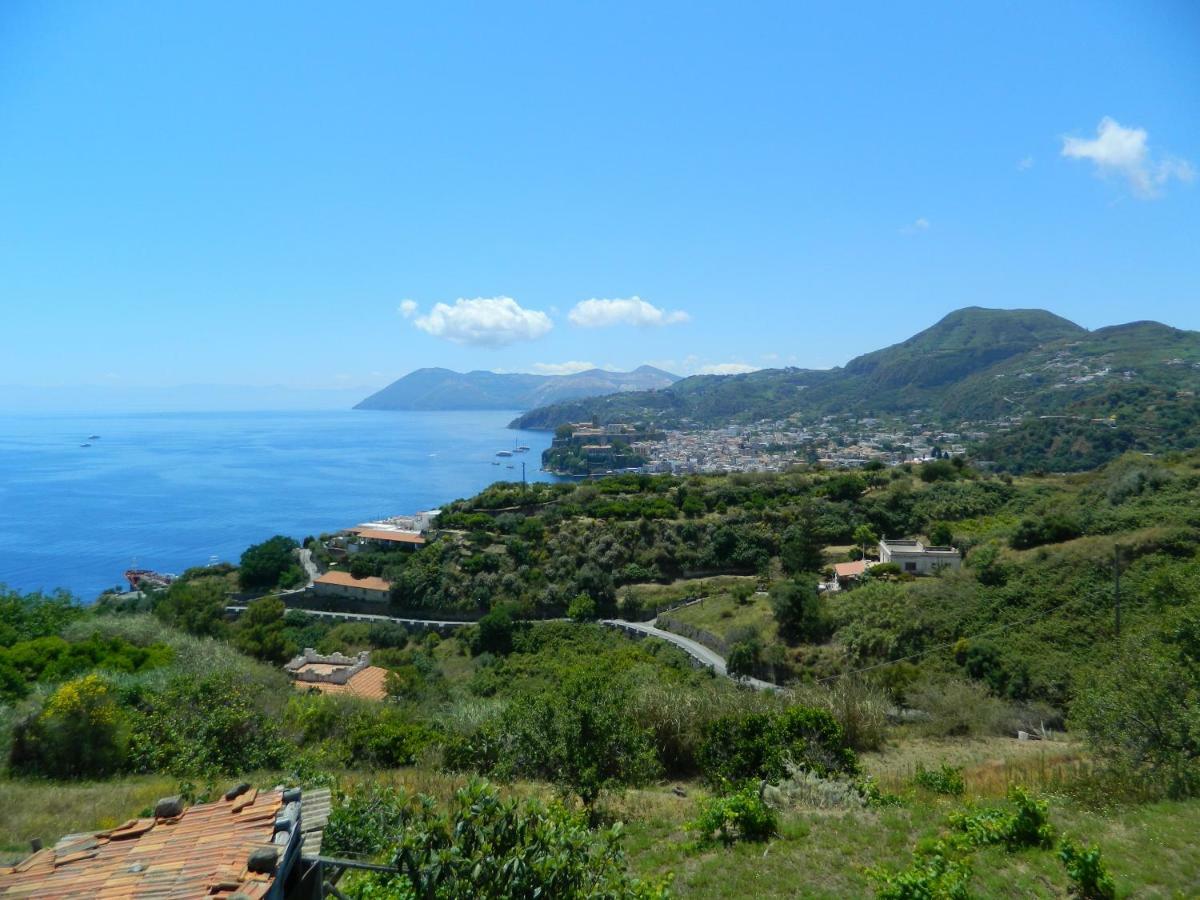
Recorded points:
(345, 579)
(850, 569)
(380, 534)
(201, 853)
(370, 683)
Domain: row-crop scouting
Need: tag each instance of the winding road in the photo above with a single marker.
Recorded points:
(703, 655)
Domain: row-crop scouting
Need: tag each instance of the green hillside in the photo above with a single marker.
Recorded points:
(992, 368)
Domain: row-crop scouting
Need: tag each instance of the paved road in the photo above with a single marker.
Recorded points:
(437, 624)
(694, 649)
(310, 567)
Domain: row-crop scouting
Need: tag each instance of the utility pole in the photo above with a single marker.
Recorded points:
(522, 476)
(1117, 586)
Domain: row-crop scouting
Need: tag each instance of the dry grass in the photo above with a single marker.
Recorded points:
(990, 765)
(721, 615)
(48, 810)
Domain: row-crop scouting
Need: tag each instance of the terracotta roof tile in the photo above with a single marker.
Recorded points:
(345, 579)
(199, 854)
(370, 683)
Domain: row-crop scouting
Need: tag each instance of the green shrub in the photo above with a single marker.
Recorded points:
(1153, 678)
(954, 707)
(758, 745)
(577, 733)
(1024, 826)
(209, 726)
(739, 815)
(944, 780)
(386, 737)
(935, 875)
(582, 609)
(80, 732)
(1089, 878)
(267, 565)
(366, 823)
(494, 632)
(482, 845)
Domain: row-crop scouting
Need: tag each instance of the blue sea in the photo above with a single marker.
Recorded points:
(175, 490)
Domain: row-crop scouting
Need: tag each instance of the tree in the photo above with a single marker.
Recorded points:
(261, 631)
(483, 845)
(797, 609)
(743, 658)
(582, 609)
(81, 731)
(865, 535)
(940, 535)
(494, 632)
(262, 566)
(197, 607)
(800, 550)
(1141, 710)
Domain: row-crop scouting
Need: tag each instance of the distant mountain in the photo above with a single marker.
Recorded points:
(975, 364)
(431, 389)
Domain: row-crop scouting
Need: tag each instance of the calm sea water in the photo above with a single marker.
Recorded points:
(173, 490)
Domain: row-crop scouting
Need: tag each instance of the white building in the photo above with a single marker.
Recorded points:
(915, 558)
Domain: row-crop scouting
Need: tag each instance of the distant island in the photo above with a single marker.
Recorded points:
(444, 389)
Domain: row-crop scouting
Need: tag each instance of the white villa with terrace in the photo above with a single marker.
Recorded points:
(915, 558)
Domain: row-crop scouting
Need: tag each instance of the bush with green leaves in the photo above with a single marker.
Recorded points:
(53, 659)
(386, 737)
(209, 726)
(270, 564)
(758, 745)
(938, 874)
(480, 844)
(367, 822)
(81, 731)
(577, 734)
(739, 814)
(1088, 876)
(24, 617)
(494, 632)
(945, 779)
(582, 609)
(1140, 710)
(1024, 825)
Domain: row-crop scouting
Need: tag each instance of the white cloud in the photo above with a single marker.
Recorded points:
(563, 368)
(730, 368)
(1025, 164)
(408, 308)
(626, 311)
(485, 322)
(1125, 153)
(916, 227)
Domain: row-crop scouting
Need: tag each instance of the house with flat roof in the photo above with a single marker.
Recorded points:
(377, 538)
(336, 583)
(914, 558)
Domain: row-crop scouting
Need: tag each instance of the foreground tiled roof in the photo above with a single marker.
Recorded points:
(369, 683)
(201, 853)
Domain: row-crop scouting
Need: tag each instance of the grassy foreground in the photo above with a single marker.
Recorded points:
(1149, 849)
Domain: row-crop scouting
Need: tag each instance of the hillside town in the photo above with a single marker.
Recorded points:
(773, 446)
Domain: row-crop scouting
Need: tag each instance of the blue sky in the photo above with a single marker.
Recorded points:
(234, 193)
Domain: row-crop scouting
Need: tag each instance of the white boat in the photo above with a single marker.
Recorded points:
(504, 453)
